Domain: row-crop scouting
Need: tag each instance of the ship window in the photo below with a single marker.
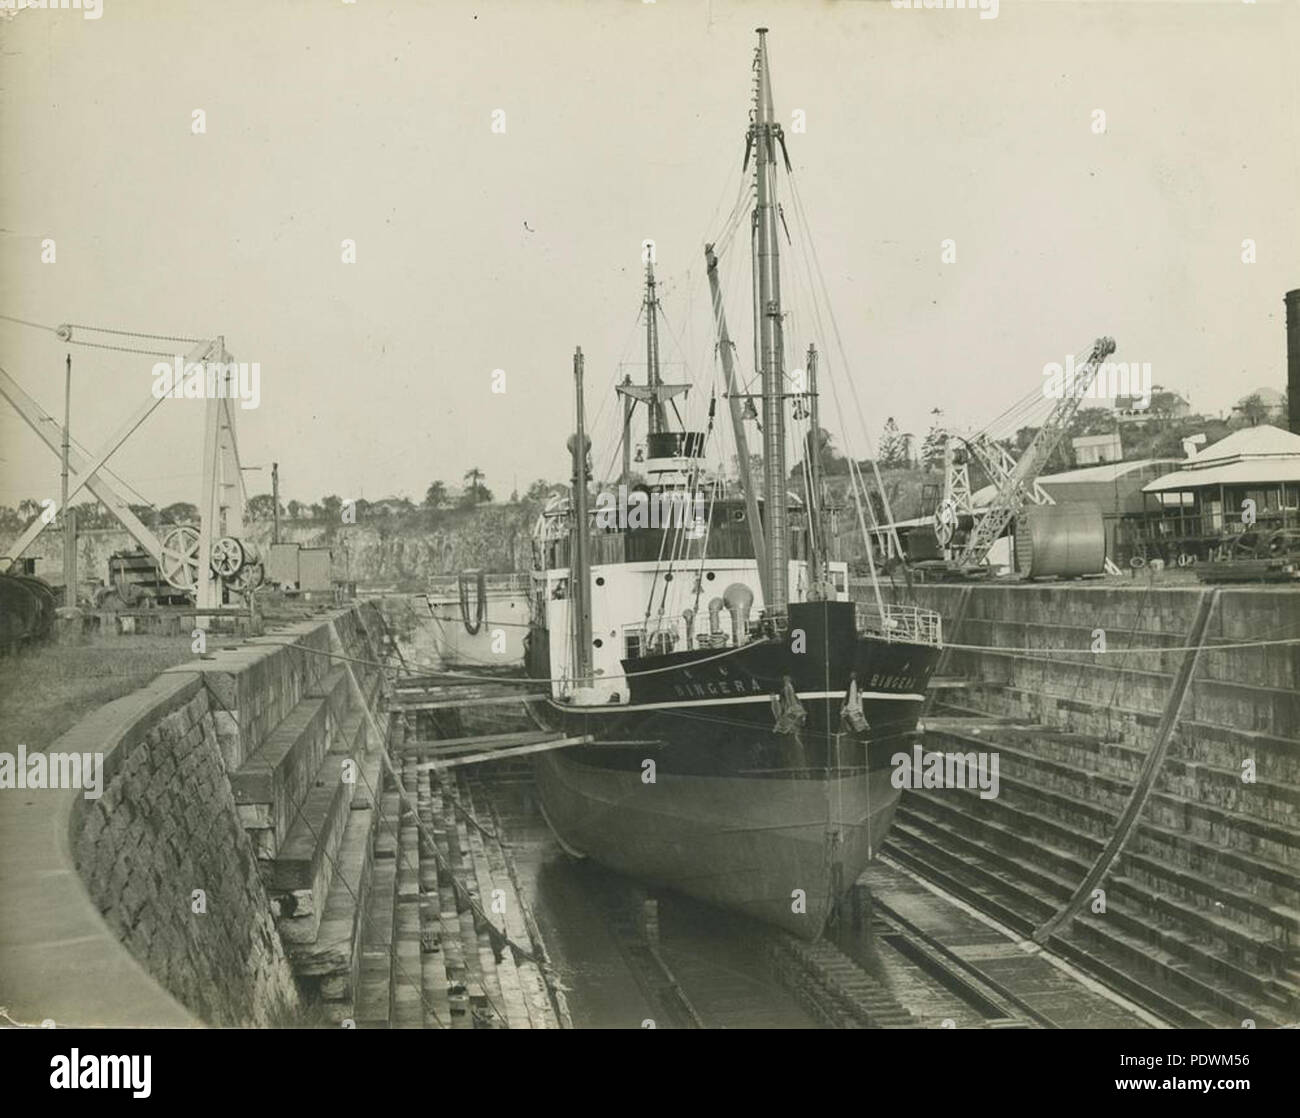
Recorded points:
(600, 580)
(710, 576)
(598, 643)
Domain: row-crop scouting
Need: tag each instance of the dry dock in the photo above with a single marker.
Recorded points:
(364, 834)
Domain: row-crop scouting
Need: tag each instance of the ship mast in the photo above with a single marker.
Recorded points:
(818, 546)
(654, 392)
(579, 561)
(657, 420)
(764, 133)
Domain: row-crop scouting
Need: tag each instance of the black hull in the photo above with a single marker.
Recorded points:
(710, 780)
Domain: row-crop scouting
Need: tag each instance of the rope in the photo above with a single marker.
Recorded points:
(24, 322)
(133, 334)
(480, 610)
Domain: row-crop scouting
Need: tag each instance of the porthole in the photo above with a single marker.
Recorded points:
(598, 643)
(600, 580)
(710, 576)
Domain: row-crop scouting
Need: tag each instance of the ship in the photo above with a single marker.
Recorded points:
(729, 713)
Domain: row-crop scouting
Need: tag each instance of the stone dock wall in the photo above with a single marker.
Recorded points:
(157, 902)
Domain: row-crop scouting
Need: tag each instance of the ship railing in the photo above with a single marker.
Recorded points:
(904, 624)
(659, 636)
(502, 583)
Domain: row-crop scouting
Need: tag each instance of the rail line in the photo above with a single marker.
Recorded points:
(998, 1005)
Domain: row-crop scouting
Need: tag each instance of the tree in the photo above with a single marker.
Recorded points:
(260, 507)
(933, 446)
(893, 449)
(1253, 410)
(91, 514)
(833, 465)
(331, 507)
(1091, 421)
(475, 491)
(436, 495)
(295, 509)
(28, 509)
(182, 512)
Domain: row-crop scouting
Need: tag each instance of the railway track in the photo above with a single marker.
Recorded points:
(1017, 910)
(998, 1005)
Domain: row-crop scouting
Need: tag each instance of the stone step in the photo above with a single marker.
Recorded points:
(297, 878)
(333, 957)
(1100, 798)
(271, 784)
(375, 996)
(1127, 937)
(1132, 907)
(335, 689)
(408, 970)
(390, 808)
(1148, 850)
(525, 976)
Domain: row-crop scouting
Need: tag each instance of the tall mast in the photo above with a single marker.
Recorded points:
(654, 392)
(763, 135)
(579, 563)
(819, 549)
(657, 420)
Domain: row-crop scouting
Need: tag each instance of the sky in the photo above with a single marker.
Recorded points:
(479, 250)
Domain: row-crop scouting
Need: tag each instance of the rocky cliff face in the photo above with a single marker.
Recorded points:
(407, 552)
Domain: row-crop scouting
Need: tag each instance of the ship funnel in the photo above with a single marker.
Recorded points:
(738, 598)
(715, 617)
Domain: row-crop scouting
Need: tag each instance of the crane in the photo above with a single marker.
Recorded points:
(1016, 481)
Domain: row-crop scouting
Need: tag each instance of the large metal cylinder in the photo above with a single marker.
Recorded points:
(1292, 300)
(1065, 541)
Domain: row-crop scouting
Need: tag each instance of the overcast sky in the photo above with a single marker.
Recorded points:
(623, 120)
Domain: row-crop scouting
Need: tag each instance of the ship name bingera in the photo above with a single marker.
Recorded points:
(734, 711)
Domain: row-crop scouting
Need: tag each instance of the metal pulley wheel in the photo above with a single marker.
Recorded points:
(250, 577)
(180, 557)
(945, 522)
(228, 557)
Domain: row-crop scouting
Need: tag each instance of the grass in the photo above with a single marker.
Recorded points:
(46, 690)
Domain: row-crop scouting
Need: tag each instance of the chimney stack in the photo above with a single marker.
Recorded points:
(1293, 360)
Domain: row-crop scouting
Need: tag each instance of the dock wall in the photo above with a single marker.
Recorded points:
(160, 902)
(1069, 684)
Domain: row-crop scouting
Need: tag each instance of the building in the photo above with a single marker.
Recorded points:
(1249, 481)
(1163, 404)
(1095, 450)
(1271, 406)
